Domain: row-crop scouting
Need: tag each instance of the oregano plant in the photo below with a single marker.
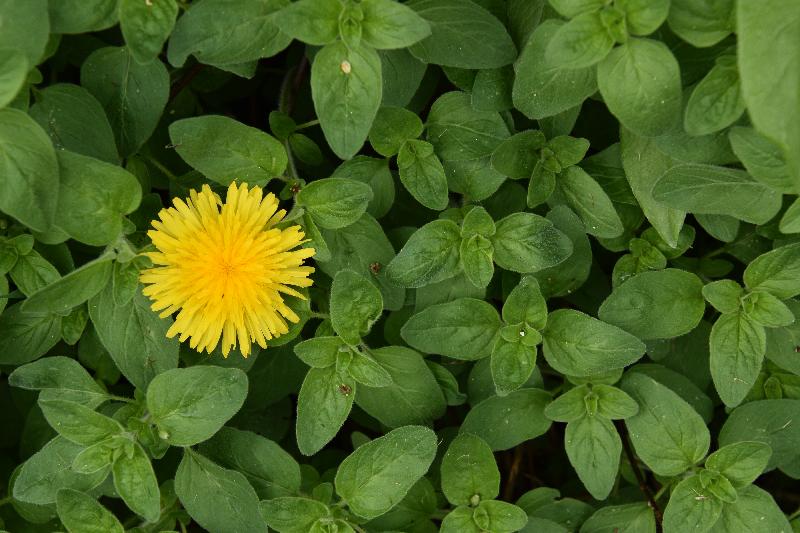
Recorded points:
(365, 266)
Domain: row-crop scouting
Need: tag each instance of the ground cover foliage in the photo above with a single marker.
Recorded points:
(556, 251)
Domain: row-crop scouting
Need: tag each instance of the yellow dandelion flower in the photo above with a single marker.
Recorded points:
(224, 268)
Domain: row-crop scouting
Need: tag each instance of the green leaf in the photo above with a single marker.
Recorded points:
(543, 88)
(319, 352)
(226, 33)
(375, 173)
(75, 121)
(767, 310)
(422, 174)
(335, 202)
(502, 517)
(512, 361)
(225, 150)
(292, 514)
(701, 23)
(78, 423)
(48, 470)
(391, 25)
(392, 127)
(644, 164)
(593, 447)
(713, 190)
(580, 43)
(361, 247)
(517, 156)
(507, 421)
(492, 88)
(476, 259)
(429, 256)
(667, 433)
(572, 8)
(71, 290)
(768, 54)
(754, 509)
(724, 295)
(643, 17)
(464, 140)
(80, 513)
(346, 88)
(716, 101)
(32, 272)
(567, 276)
(365, 370)
(28, 170)
(640, 83)
(590, 202)
(311, 21)
(412, 397)
(762, 158)
(741, 462)
(323, 404)
(737, 347)
(569, 406)
(525, 303)
(459, 520)
(613, 403)
(94, 197)
(525, 242)
(25, 337)
(692, 507)
(469, 470)
(377, 475)
(790, 221)
(461, 329)
(579, 345)
(218, 499)
(269, 468)
(29, 30)
(135, 337)
(660, 304)
(59, 377)
(770, 422)
(133, 95)
(92, 15)
(189, 405)
(136, 483)
(146, 26)
(627, 518)
(477, 222)
(463, 35)
(776, 272)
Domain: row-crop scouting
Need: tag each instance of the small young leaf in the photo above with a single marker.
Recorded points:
(469, 470)
(391, 25)
(355, 305)
(323, 404)
(724, 295)
(740, 462)
(525, 242)
(737, 347)
(136, 483)
(392, 127)
(293, 514)
(582, 42)
(525, 303)
(146, 26)
(422, 174)
(314, 22)
(429, 256)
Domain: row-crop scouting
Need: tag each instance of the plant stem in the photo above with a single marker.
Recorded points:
(160, 166)
(308, 124)
(651, 500)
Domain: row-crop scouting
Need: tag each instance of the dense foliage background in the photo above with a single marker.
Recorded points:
(556, 251)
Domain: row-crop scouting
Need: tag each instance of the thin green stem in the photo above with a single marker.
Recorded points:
(4, 501)
(794, 515)
(121, 398)
(308, 124)
(162, 168)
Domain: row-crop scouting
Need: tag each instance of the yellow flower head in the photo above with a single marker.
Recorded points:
(224, 268)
